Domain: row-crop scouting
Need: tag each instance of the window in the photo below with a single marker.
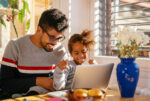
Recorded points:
(100, 27)
(133, 13)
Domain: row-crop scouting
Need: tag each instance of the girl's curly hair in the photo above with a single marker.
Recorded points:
(86, 38)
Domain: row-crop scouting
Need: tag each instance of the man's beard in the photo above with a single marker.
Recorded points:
(50, 50)
(44, 47)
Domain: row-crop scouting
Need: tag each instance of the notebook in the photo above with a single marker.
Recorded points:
(92, 76)
(59, 94)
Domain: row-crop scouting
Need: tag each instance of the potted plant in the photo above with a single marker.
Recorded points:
(129, 40)
(13, 11)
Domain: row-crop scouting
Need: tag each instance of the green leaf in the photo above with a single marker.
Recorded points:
(2, 22)
(24, 4)
(28, 25)
(13, 15)
(12, 2)
(21, 15)
(27, 7)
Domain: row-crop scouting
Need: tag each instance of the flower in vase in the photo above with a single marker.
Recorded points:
(129, 40)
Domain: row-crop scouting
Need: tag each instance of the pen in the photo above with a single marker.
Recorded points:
(25, 99)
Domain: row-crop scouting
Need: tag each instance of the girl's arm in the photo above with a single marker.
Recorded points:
(60, 75)
(60, 78)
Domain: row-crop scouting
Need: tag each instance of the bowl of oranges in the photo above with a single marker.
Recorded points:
(93, 94)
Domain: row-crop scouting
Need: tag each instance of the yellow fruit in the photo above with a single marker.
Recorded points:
(81, 92)
(95, 92)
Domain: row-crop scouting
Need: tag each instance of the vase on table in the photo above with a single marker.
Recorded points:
(127, 76)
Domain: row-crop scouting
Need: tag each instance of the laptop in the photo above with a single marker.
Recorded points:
(92, 76)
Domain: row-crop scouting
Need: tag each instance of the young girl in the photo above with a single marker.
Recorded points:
(79, 45)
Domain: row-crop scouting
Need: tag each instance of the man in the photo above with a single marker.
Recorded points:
(29, 62)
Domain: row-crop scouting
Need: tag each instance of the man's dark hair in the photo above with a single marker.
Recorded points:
(53, 18)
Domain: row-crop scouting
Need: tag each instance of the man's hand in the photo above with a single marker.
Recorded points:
(45, 82)
(63, 64)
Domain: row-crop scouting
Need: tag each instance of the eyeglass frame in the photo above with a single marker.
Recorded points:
(53, 38)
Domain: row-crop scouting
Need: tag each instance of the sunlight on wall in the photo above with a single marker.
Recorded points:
(69, 18)
(96, 27)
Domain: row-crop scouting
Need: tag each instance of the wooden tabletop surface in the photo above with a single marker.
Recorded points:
(111, 96)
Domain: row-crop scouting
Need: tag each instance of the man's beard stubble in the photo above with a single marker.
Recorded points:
(44, 47)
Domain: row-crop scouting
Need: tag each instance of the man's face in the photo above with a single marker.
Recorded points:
(79, 53)
(50, 39)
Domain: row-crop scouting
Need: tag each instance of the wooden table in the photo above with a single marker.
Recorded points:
(111, 96)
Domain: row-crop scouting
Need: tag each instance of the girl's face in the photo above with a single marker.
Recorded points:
(79, 53)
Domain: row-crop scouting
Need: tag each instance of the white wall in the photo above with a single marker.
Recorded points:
(4, 35)
(80, 15)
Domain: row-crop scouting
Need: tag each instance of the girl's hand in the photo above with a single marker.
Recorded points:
(63, 64)
(91, 61)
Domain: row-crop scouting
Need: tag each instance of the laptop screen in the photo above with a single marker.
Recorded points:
(92, 76)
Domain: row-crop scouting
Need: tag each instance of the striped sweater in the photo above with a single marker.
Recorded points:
(23, 62)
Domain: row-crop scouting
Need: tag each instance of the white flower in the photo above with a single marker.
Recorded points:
(126, 34)
(129, 40)
(145, 39)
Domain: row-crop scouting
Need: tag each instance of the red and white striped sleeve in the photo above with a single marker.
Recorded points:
(10, 55)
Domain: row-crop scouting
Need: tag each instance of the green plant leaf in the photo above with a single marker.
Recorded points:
(24, 4)
(12, 2)
(2, 22)
(23, 1)
(21, 15)
(27, 25)
(27, 7)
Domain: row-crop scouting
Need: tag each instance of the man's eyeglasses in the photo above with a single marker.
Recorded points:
(53, 38)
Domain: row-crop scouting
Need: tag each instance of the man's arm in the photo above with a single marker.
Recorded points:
(11, 80)
(11, 83)
(45, 82)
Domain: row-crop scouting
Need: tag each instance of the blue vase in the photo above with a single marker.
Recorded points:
(127, 77)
